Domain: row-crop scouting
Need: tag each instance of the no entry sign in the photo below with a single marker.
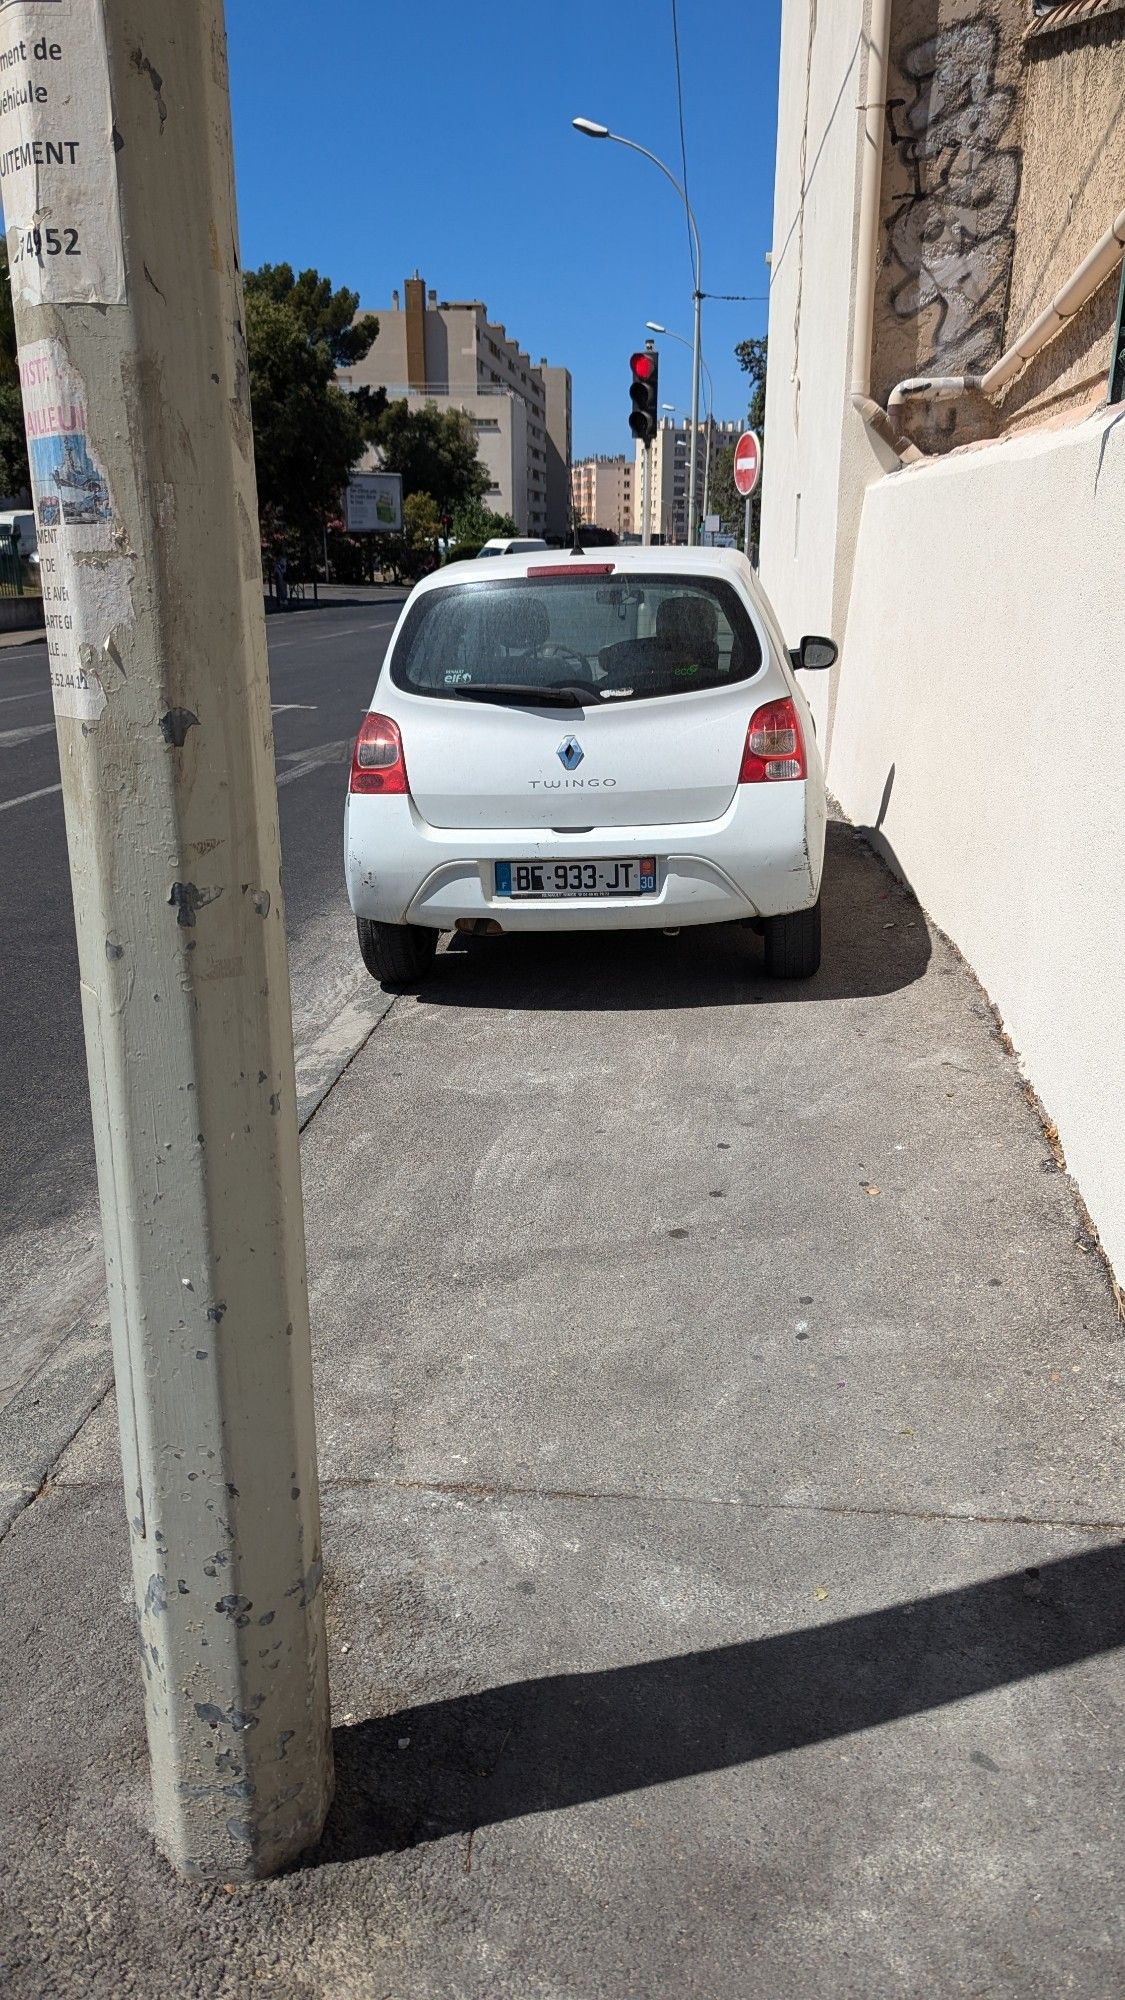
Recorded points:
(747, 462)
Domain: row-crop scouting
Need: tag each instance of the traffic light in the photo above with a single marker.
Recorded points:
(643, 419)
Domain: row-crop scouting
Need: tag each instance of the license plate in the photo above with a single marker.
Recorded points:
(543, 880)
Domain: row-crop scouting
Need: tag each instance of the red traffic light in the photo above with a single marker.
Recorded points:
(643, 394)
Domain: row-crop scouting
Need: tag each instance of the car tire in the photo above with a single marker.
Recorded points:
(793, 944)
(396, 954)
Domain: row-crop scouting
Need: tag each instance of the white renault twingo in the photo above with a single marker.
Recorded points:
(605, 741)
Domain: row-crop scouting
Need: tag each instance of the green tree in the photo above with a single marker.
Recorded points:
(475, 523)
(726, 500)
(751, 356)
(308, 433)
(435, 451)
(421, 520)
(327, 318)
(14, 474)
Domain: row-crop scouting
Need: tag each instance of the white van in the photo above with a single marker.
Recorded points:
(511, 545)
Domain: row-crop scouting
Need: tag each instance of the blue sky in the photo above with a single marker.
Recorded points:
(374, 137)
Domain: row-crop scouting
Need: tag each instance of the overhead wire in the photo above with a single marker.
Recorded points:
(683, 140)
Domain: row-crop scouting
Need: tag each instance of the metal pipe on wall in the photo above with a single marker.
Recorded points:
(1081, 285)
(874, 110)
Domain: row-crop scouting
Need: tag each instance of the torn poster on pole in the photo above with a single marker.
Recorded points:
(84, 563)
(58, 163)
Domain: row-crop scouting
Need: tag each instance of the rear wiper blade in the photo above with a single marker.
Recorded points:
(535, 697)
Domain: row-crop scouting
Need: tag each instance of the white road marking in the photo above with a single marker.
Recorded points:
(315, 760)
(285, 707)
(326, 753)
(350, 632)
(31, 695)
(7, 804)
(10, 737)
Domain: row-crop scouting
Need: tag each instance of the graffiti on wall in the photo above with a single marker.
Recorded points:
(953, 233)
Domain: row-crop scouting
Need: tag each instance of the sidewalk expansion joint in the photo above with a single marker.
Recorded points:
(482, 1490)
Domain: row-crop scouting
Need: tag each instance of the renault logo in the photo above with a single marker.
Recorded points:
(570, 752)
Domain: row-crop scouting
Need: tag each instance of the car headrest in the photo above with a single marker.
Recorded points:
(687, 621)
(516, 620)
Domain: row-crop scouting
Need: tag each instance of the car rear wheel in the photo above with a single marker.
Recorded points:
(396, 954)
(793, 944)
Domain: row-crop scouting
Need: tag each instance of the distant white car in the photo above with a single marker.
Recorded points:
(598, 742)
(510, 545)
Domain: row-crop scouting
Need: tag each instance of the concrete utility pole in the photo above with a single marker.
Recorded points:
(118, 197)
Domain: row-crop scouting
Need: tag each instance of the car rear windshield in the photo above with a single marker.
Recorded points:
(621, 638)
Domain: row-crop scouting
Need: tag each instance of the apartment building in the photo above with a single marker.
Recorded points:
(449, 352)
(601, 491)
(671, 464)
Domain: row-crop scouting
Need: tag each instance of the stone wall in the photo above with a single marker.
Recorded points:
(952, 168)
(1071, 189)
(1004, 162)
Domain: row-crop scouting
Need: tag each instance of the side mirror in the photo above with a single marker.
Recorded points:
(814, 653)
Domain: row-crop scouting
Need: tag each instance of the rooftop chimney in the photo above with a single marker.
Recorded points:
(415, 333)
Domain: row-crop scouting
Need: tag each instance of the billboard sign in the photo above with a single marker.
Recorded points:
(373, 503)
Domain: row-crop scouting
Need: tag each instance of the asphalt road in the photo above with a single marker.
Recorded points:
(322, 667)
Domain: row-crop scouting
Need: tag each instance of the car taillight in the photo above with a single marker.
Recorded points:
(774, 745)
(378, 764)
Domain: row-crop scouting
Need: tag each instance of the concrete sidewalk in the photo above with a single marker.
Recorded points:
(720, 1419)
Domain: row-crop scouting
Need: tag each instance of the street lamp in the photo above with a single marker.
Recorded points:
(654, 326)
(591, 130)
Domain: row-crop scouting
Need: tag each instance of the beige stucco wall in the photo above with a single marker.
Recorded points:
(818, 455)
(976, 712)
(981, 719)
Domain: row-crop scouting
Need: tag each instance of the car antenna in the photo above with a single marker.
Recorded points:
(576, 548)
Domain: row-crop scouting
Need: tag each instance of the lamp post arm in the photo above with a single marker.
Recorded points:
(670, 176)
(697, 333)
(668, 334)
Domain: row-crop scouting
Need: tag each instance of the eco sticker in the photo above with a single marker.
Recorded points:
(58, 163)
(84, 565)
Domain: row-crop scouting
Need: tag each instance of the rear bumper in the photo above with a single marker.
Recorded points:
(762, 858)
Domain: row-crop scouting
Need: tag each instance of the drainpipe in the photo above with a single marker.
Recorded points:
(1080, 286)
(874, 124)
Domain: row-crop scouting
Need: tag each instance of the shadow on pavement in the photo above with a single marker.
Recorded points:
(875, 941)
(544, 1745)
